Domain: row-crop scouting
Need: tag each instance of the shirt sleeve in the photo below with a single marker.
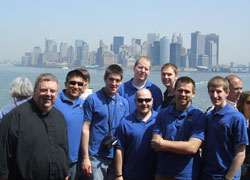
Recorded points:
(157, 95)
(8, 144)
(120, 134)
(240, 131)
(88, 110)
(199, 127)
(157, 129)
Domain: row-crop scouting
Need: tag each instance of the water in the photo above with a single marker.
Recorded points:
(9, 73)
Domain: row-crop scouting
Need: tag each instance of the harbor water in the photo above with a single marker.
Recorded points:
(8, 73)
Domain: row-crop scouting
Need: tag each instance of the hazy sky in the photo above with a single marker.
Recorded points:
(26, 23)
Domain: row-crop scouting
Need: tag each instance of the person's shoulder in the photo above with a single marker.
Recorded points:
(151, 85)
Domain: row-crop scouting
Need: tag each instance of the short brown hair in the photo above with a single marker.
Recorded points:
(45, 77)
(170, 65)
(218, 81)
(85, 74)
(185, 79)
(113, 69)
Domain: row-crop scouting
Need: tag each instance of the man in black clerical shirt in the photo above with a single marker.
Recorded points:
(33, 137)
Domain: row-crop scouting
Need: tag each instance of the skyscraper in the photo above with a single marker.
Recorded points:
(118, 41)
(197, 48)
(175, 54)
(164, 50)
(63, 51)
(215, 39)
(156, 53)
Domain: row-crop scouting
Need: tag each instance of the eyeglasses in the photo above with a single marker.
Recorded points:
(248, 102)
(74, 83)
(147, 100)
(44, 91)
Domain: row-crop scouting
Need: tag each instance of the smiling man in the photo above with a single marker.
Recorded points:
(103, 111)
(178, 133)
(71, 105)
(33, 137)
(169, 74)
(141, 72)
(134, 158)
(226, 140)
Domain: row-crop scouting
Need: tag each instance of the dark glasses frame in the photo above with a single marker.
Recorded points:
(141, 100)
(74, 83)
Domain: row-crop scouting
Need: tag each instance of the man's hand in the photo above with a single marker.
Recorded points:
(86, 167)
(156, 144)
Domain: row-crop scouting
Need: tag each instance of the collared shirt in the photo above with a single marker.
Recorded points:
(128, 91)
(33, 145)
(96, 112)
(175, 126)
(73, 113)
(134, 135)
(9, 107)
(225, 130)
(167, 100)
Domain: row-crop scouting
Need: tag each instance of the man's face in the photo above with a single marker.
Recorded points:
(218, 96)
(112, 84)
(168, 77)
(143, 102)
(235, 90)
(142, 70)
(45, 95)
(74, 87)
(246, 108)
(184, 95)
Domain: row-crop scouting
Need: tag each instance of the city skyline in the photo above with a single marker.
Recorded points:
(26, 24)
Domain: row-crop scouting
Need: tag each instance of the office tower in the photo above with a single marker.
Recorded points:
(144, 48)
(211, 51)
(118, 41)
(152, 37)
(36, 55)
(197, 48)
(78, 43)
(203, 60)
(50, 46)
(92, 57)
(184, 61)
(138, 41)
(108, 58)
(175, 54)
(215, 39)
(82, 53)
(99, 54)
(180, 40)
(156, 53)
(63, 52)
(164, 50)
(71, 56)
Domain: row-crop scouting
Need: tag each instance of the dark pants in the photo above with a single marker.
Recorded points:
(245, 172)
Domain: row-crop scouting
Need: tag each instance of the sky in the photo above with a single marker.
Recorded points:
(27, 23)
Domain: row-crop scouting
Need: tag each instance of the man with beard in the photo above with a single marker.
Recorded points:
(134, 158)
(141, 72)
(33, 137)
(178, 133)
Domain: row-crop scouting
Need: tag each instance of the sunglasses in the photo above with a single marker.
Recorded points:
(147, 100)
(74, 83)
(248, 102)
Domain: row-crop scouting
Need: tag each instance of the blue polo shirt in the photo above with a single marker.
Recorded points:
(225, 130)
(73, 113)
(134, 136)
(96, 112)
(175, 126)
(128, 91)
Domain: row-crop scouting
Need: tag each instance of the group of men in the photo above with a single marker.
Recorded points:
(124, 131)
